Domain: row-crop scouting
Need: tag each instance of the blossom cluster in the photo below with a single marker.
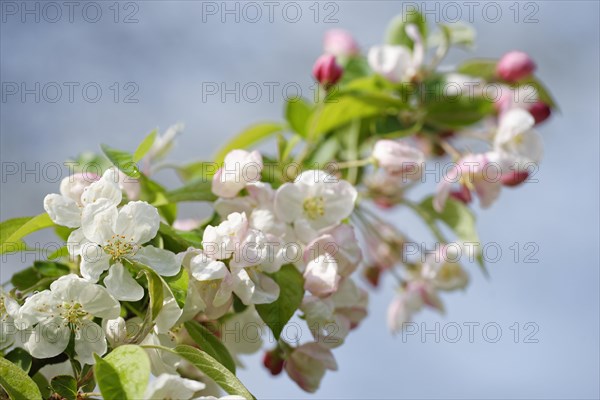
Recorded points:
(139, 289)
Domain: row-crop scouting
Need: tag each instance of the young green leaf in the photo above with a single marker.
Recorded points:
(297, 113)
(124, 373)
(214, 370)
(20, 357)
(396, 31)
(178, 285)
(122, 160)
(13, 230)
(51, 269)
(145, 146)
(481, 68)
(200, 190)
(210, 344)
(17, 383)
(65, 386)
(291, 291)
(248, 138)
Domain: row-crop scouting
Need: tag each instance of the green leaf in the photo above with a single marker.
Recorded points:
(460, 219)
(200, 190)
(396, 31)
(458, 112)
(13, 230)
(460, 34)
(155, 290)
(179, 286)
(172, 240)
(210, 344)
(29, 278)
(51, 269)
(65, 386)
(297, 113)
(17, 383)
(42, 384)
(248, 138)
(353, 106)
(214, 370)
(291, 291)
(155, 194)
(543, 93)
(122, 160)
(20, 357)
(200, 170)
(145, 146)
(481, 68)
(124, 373)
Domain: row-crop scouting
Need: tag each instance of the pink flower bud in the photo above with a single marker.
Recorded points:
(339, 42)
(463, 194)
(306, 365)
(399, 158)
(540, 111)
(514, 178)
(514, 66)
(273, 360)
(326, 70)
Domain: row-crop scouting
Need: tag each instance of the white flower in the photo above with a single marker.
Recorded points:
(163, 143)
(9, 310)
(474, 173)
(79, 190)
(334, 254)
(222, 241)
(109, 235)
(70, 305)
(314, 201)
(414, 296)
(331, 319)
(215, 284)
(443, 270)
(516, 140)
(240, 167)
(168, 386)
(399, 158)
(398, 63)
(307, 363)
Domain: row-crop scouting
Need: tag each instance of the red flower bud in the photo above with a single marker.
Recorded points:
(540, 111)
(514, 178)
(273, 361)
(326, 70)
(514, 66)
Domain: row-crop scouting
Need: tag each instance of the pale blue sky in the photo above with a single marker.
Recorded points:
(170, 52)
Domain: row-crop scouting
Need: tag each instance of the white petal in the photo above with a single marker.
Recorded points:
(47, 339)
(204, 268)
(321, 278)
(62, 210)
(167, 386)
(94, 298)
(98, 221)
(106, 188)
(89, 339)
(138, 221)
(121, 285)
(162, 261)
(94, 261)
(288, 202)
(169, 314)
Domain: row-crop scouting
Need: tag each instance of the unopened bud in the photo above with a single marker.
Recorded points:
(339, 43)
(273, 361)
(514, 66)
(514, 178)
(540, 111)
(373, 274)
(326, 70)
(462, 195)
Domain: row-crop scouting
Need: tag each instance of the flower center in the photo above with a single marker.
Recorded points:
(72, 313)
(119, 247)
(314, 207)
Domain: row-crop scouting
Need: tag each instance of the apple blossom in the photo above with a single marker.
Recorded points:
(9, 310)
(412, 298)
(109, 235)
(70, 305)
(514, 66)
(314, 201)
(398, 158)
(240, 167)
(516, 142)
(475, 172)
(398, 63)
(307, 364)
(326, 70)
(442, 269)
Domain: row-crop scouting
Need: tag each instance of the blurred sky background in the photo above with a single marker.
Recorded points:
(171, 51)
